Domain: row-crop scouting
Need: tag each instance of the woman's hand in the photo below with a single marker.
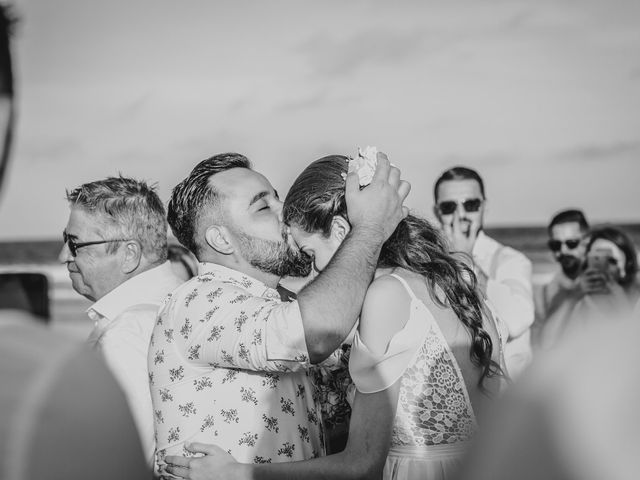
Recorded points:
(214, 464)
(594, 281)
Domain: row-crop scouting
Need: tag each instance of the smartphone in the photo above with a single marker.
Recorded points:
(599, 261)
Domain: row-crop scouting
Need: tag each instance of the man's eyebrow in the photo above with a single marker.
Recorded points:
(69, 235)
(258, 197)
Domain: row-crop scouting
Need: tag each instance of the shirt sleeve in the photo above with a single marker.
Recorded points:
(125, 349)
(227, 327)
(511, 292)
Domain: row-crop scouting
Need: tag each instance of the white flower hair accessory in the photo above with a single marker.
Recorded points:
(364, 165)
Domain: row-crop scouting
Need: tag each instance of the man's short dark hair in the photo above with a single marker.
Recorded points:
(195, 193)
(458, 173)
(569, 216)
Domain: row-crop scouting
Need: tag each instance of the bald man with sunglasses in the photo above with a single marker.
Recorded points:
(504, 274)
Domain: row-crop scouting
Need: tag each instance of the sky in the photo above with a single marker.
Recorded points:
(541, 97)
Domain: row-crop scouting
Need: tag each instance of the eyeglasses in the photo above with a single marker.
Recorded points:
(74, 246)
(450, 206)
(556, 245)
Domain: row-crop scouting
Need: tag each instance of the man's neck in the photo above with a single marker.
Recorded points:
(239, 265)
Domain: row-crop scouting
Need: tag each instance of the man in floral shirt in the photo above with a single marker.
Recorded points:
(228, 360)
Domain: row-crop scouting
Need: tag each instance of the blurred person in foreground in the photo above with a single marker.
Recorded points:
(61, 411)
(573, 415)
(608, 284)
(115, 249)
(425, 358)
(504, 274)
(229, 359)
(568, 231)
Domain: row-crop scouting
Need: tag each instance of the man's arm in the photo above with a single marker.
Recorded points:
(511, 293)
(363, 457)
(330, 305)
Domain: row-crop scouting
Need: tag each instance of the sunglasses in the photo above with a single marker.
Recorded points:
(74, 246)
(556, 245)
(448, 207)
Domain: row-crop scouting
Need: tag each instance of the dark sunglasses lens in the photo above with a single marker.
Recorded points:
(472, 205)
(70, 244)
(555, 245)
(571, 244)
(447, 208)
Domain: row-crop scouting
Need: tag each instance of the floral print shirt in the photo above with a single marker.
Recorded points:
(228, 365)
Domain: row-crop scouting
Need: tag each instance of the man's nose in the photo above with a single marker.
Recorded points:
(65, 254)
(462, 213)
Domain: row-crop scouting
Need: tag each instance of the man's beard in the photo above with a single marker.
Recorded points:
(274, 257)
(570, 265)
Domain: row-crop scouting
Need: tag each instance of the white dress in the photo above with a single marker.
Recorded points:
(434, 419)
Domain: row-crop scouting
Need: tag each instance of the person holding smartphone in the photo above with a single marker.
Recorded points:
(568, 231)
(608, 284)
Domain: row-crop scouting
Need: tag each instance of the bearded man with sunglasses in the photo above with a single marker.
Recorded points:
(567, 232)
(115, 249)
(504, 274)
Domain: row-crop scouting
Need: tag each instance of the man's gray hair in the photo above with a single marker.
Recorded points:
(130, 209)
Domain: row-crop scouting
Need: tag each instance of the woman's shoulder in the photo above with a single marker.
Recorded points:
(391, 287)
(385, 311)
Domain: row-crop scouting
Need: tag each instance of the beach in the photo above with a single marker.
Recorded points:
(68, 309)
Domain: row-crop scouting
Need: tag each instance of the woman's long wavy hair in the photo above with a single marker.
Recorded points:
(317, 195)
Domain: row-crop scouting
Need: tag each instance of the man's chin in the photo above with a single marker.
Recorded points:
(571, 268)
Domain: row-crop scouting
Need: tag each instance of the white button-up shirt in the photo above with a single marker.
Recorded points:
(510, 292)
(228, 365)
(124, 320)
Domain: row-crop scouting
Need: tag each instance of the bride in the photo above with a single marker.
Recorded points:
(426, 355)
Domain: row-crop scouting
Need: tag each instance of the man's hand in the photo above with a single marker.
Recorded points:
(462, 235)
(215, 464)
(593, 281)
(378, 206)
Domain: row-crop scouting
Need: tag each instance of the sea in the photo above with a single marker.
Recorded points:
(68, 309)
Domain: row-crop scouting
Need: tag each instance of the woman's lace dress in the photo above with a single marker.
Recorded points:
(434, 420)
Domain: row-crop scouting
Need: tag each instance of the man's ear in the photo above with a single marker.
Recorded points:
(132, 256)
(339, 228)
(218, 237)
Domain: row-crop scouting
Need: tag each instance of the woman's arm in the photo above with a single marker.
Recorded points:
(384, 313)
(363, 458)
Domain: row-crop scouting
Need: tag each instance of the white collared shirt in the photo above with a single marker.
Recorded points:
(510, 291)
(124, 320)
(228, 365)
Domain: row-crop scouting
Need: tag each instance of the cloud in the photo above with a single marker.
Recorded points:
(331, 56)
(604, 152)
(314, 100)
(65, 149)
(490, 159)
(133, 108)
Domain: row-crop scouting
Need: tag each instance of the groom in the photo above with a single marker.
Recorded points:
(228, 359)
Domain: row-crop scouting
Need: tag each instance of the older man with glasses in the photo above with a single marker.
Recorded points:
(115, 249)
(504, 274)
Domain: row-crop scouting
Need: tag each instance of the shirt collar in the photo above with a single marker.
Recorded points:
(227, 275)
(484, 249)
(149, 286)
